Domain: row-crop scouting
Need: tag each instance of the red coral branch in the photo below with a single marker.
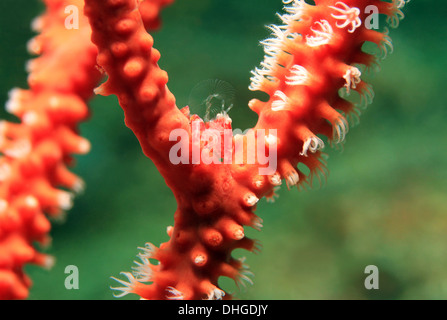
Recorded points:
(313, 62)
(37, 151)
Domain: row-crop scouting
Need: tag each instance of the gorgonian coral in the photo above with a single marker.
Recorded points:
(313, 64)
(312, 74)
(35, 181)
(36, 151)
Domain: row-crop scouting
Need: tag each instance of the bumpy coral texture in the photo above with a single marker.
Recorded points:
(35, 182)
(312, 74)
(36, 151)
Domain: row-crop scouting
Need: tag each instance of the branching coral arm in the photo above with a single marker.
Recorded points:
(36, 152)
(312, 66)
(127, 55)
(205, 230)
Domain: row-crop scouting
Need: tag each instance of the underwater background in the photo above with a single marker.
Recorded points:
(384, 203)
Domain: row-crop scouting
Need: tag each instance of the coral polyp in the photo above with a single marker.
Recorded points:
(312, 76)
(309, 59)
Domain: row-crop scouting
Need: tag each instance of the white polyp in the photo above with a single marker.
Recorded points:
(3, 205)
(65, 200)
(54, 102)
(250, 199)
(270, 60)
(352, 78)
(271, 139)
(280, 32)
(199, 259)
(258, 183)
(321, 37)
(271, 52)
(174, 294)
(128, 286)
(215, 294)
(224, 115)
(273, 196)
(299, 76)
(295, 11)
(386, 46)
(349, 16)
(312, 144)
(275, 179)
(259, 76)
(48, 262)
(244, 276)
(5, 171)
(366, 96)
(169, 230)
(148, 250)
(292, 178)
(30, 66)
(143, 271)
(266, 68)
(256, 81)
(31, 117)
(398, 15)
(79, 186)
(282, 101)
(400, 3)
(84, 146)
(239, 234)
(273, 45)
(34, 46)
(99, 91)
(37, 24)
(353, 117)
(20, 149)
(285, 18)
(12, 106)
(31, 202)
(257, 223)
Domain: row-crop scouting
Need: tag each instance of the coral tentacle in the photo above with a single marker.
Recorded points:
(310, 61)
(37, 151)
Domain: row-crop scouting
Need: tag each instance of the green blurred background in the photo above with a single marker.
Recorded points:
(384, 204)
